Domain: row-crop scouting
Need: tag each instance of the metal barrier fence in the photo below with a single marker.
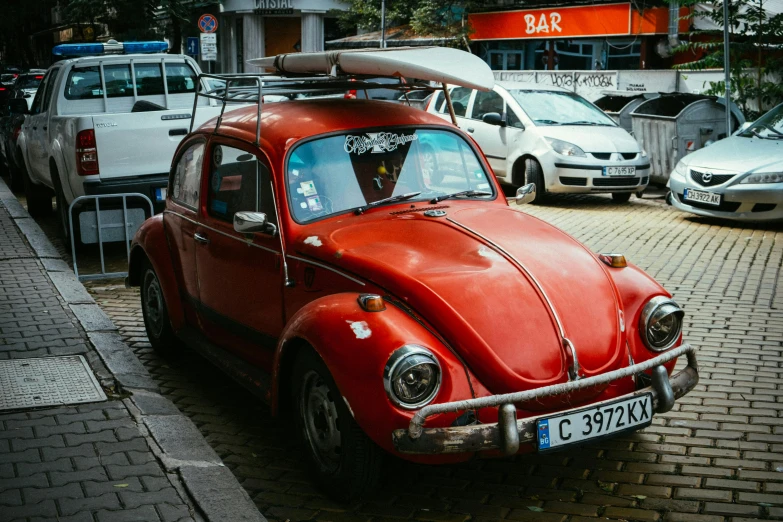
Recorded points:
(100, 227)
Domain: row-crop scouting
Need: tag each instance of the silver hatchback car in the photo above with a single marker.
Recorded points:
(739, 178)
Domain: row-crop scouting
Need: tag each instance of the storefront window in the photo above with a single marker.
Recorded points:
(623, 55)
(574, 55)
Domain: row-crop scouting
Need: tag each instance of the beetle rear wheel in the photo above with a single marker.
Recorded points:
(155, 312)
(346, 462)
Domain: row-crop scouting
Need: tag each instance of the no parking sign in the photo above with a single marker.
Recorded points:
(207, 23)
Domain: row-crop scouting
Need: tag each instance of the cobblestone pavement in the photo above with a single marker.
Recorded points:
(78, 463)
(717, 457)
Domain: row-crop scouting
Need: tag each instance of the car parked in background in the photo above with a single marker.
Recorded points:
(550, 137)
(356, 264)
(25, 87)
(738, 178)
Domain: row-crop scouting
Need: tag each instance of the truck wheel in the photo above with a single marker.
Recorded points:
(534, 174)
(62, 208)
(39, 197)
(345, 462)
(155, 312)
(621, 197)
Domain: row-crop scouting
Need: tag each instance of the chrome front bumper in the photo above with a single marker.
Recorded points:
(509, 432)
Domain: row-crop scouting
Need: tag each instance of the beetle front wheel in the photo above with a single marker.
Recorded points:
(346, 462)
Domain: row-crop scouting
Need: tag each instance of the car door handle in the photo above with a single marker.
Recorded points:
(178, 132)
(201, 239)
(470, 129)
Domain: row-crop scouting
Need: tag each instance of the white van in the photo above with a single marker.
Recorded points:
(554, 138)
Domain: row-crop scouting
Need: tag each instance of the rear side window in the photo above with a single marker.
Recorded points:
(180, 78)
(187, 176)
(84, 83)
(149, 79)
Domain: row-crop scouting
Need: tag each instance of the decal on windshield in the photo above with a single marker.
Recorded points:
(376, 142)
(308, 188)
(314, 203)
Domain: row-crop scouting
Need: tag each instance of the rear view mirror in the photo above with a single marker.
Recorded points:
(493, 118)
(250, 222)
(18, 106)
(525, 194)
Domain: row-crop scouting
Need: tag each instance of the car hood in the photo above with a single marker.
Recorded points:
(499, 311)
(593, 138)
(737, 154)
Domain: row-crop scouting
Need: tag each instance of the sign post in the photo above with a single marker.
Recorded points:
(208, 24)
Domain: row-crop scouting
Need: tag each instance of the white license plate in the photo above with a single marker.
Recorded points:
(160, 194)
(701, 196)
(619, 171)
(596, 422)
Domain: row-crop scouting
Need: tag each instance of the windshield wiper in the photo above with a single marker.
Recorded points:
(469, 193)
(390, 199)
(767, 137)
(548, 122)
(584, 122)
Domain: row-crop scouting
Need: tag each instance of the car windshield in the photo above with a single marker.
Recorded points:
(769, 126)
(349, 171)
(559, 108)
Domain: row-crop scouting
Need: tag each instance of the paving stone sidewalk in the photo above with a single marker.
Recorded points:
(133, 456)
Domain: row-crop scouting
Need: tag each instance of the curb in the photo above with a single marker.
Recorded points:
(175, 440)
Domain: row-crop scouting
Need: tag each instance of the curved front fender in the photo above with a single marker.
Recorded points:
(355, 345)
(150, 242)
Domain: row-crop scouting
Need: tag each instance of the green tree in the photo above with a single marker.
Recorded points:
(438, 18)
(755, 72)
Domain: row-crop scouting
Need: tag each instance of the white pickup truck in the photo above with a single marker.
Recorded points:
(107, 124)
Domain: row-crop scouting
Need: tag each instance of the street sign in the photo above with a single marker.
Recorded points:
(209, 47)
(207, 23)
(192, 47)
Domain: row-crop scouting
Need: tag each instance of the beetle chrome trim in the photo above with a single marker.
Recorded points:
(399, 356)
(647, 312)
(459, 439)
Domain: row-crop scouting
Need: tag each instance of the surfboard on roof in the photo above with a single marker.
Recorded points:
(437, 64)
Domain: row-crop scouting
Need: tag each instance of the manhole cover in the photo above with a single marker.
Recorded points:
(47, 381)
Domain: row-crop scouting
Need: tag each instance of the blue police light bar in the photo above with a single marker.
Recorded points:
(110, 47)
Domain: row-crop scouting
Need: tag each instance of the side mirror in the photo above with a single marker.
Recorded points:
(525, 194)
(250, 222)
(18, 106)
(494, 118)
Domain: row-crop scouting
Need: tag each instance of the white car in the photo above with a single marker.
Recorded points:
(548, 136)
(739, 178)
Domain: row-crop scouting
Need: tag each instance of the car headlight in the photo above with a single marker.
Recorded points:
(763, 177)
(661, 323)
(680, 170)
(644, 153)
(412, 376)
(565, 148)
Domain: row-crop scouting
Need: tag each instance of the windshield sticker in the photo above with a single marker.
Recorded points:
(376, 142)
(314, 204)
(483, 185)
(308, 188)
(303, 205)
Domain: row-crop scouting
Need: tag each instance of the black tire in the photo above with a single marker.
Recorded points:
(352, 465)
(155, 313)
(39, 197)
(62, 209)
(15, 175)
(534, 174)
(621, 197)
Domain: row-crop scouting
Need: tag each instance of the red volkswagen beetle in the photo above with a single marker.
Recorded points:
(355, 263)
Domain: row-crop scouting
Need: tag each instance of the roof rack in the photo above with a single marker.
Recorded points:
(252, 87)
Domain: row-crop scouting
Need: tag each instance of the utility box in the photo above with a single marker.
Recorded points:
(620, 104)
(674, 124)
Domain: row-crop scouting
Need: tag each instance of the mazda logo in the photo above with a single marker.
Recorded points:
(706, 177)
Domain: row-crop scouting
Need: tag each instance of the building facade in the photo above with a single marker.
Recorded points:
(255, 28)
(612, 36)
